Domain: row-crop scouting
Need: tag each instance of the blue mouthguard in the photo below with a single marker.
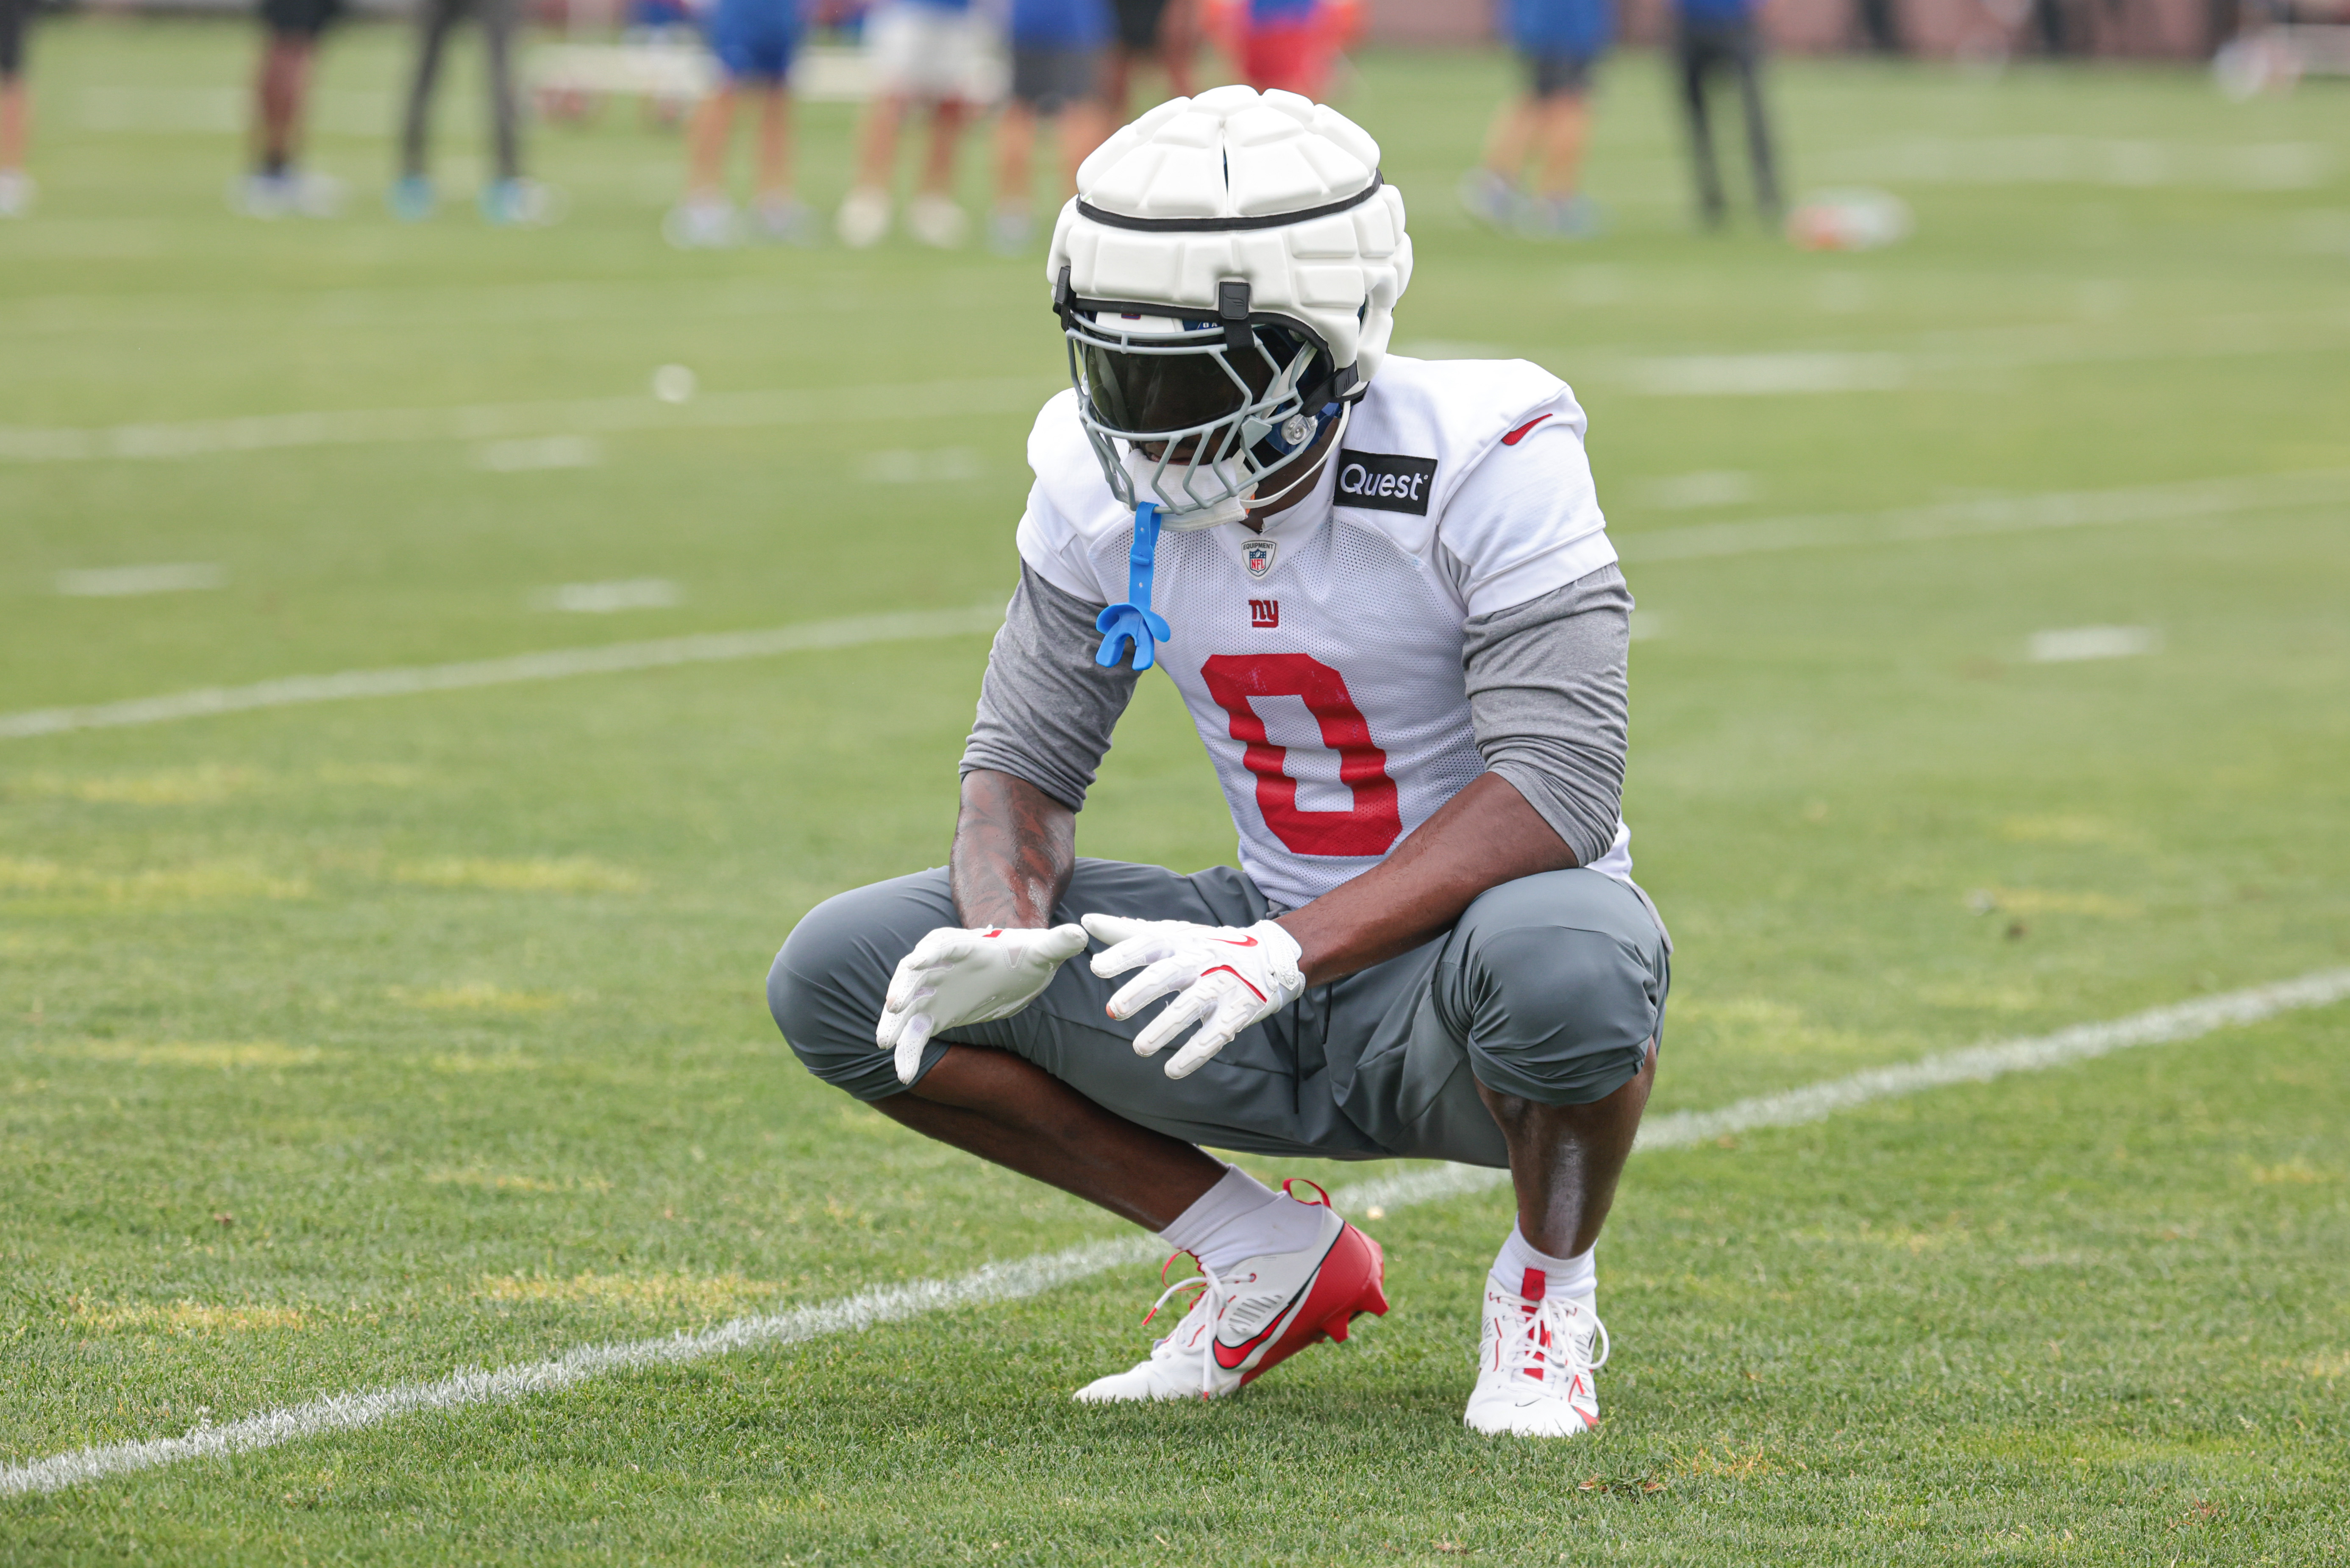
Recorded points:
(1132, 621)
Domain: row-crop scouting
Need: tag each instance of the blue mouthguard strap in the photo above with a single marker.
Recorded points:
(1132, 621)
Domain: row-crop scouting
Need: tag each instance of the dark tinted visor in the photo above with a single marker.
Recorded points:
(1148, 393)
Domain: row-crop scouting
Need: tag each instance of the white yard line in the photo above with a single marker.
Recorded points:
(129, 582)
(709, 648)
(1955, 519)
(1991, 515)
(1033, 1276)
(1979, 1063)
(495, 421)
(348, 1412)
(1765, 375)
(2070, 645)
(1763, 372)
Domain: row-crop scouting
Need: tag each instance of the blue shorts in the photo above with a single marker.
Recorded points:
(1558, 73)
(755, 40)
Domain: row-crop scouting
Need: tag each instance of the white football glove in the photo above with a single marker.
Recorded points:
(956, 977)
(1222, 978)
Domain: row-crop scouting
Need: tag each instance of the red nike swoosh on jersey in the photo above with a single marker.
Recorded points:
(1519, 434)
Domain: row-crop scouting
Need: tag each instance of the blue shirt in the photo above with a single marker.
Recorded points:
(766, 18)
(1283, 13)
(1715, 12)
(1583, 29)
(1061, 24)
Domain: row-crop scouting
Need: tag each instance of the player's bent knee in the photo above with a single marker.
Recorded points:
(825, 986)
(1565, 989)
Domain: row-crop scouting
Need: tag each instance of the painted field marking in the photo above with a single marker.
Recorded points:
(1036, 1274)
(1992, 514)
(576, 419)
(1957, 519)
(708, 647)
(528, 454)
(2079, 642)
(149, 110)
(945, 465)
(605, 598)
(1766, 375)
(126, 582)
(2084, 160)
(1945, 359)
(1975, 1065)
(1687, 492)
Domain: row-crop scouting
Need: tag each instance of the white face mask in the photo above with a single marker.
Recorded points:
(1230, 476)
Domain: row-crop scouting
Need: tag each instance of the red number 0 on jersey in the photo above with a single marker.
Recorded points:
(1375, 822)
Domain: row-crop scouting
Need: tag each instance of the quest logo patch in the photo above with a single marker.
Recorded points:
(1385, 481)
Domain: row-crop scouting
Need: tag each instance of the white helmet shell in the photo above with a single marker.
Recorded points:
(1271, 189)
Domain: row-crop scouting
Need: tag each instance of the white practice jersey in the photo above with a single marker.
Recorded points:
(1321, 659)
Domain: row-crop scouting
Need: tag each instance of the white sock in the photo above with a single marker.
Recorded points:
(1241, 1217)
(1575, 1277)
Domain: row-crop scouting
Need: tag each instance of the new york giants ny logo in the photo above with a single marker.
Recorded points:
(1264, 612)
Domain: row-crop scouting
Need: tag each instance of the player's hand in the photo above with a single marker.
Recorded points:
(1221, 977)
(956, 977)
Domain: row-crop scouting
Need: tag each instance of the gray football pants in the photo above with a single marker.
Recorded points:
(435, 20)
(1550, 988)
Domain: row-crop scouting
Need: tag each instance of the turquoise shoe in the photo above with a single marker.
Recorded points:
(412, 198)
(517, 204)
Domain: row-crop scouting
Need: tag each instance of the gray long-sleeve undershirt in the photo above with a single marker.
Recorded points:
(1548, 699)
(1045, 708)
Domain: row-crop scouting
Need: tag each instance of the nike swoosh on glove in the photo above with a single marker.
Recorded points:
(956, 977)
(1221, 977)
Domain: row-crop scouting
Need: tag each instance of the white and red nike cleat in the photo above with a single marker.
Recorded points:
(1534, 1364)
(1256, 1316)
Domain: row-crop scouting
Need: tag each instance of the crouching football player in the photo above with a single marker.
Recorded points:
(1385, 591)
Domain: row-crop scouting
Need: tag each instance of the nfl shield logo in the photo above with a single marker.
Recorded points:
(1257, 556)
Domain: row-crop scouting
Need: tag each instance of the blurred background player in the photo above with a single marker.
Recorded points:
(1164, 32)
(926, 52)
(508, 197)
(1561, 42)
(1057, 63)
(1708, 37)
(281, 95)
(754, 41)
(1286, 46)
(15, 109)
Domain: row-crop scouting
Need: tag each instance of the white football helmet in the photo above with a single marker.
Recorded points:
(1226, 276)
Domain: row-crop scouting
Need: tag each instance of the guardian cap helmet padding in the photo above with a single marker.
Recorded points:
(1226, 277)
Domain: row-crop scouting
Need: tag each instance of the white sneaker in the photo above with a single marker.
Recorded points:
(267, 196)
(1257, 1315)
(782, 220)
(15, 192)
(1009, 231)
(315, 195)
(864, 218)
(937, 222)
(701, 223)
(1534, 1364)
(520, 203)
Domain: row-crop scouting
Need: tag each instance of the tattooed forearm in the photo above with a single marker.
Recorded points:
(1014, 847)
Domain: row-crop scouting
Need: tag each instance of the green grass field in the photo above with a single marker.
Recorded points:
(357, 1044)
